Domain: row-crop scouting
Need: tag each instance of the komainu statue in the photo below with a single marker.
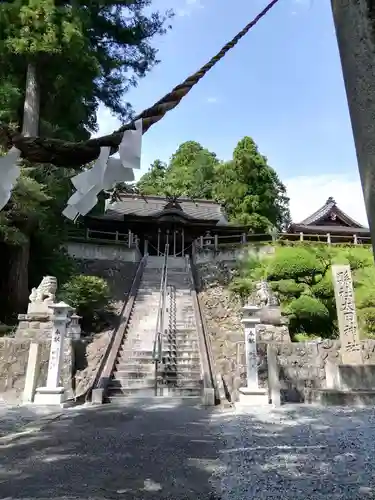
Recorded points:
(264, 297)
(41, 297)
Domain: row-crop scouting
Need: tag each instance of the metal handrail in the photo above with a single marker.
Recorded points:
(158, 342)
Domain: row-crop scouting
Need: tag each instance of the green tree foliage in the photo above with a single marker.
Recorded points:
(85, 52)
(190, 173)
(251, 190)
(153, 181)
(90, 296)
(82, 53)
(247, 186)
(301, 277)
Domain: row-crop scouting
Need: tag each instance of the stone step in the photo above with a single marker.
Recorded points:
(182, 350)
(184, 379)
(180, 339)
(133, 364)
(117, 392)
(148, 366)
(133, 373)
(184, 335)
(128, 383)
(334, 397)
(184, 391)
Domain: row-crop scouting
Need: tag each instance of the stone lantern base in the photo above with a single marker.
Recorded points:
(252, 396)
(50, 396)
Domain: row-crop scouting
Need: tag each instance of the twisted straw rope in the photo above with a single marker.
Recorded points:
(71, 154)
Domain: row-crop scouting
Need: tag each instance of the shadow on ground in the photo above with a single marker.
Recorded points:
(148, 451)
(298, 452)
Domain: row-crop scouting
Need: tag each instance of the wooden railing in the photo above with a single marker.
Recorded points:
(208, 362)
(128, 239)
(216, 242)
(105, 369)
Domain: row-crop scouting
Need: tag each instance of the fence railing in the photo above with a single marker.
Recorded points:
(128, 239)
(215, 242)
(160, 322)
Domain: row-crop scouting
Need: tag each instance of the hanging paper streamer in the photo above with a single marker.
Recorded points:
(106, 173)
(9, 173)
(131, 146)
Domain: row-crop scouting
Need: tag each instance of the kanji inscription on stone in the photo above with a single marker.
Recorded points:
(351, 349)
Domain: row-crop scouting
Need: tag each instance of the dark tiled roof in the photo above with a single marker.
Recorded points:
(315, 229)
(153, 206)
(330, 207)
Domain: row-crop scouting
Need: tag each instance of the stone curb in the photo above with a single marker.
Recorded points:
(31, 427)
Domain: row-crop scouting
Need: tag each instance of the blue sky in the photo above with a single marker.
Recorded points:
(282, 85)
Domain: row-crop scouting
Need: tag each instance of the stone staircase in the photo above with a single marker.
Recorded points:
(134, 373)
(181, 374)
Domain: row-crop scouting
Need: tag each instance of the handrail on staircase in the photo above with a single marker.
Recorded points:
(158, 342)
(209, 374)
(105, 369)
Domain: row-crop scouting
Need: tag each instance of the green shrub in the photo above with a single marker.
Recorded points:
(287, 288)
(294, 263)
(308, 315)
(324, 288)
(243, 287)
(90, 296)
(366, 320)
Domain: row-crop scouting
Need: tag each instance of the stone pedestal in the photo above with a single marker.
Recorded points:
(34, 326)
(252, 394)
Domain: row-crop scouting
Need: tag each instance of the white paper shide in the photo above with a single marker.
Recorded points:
(106, 173)
(9, 173)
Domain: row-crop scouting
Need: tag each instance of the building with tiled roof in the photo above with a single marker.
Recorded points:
(156, 220)
(330, 221)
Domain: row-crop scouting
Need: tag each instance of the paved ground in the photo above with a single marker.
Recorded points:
(130, 453)
(181, 453)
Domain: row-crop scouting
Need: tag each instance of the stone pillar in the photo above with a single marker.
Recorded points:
(53, 393)
(355, 21)
(251, 394)
(32, 373)
(273, 375)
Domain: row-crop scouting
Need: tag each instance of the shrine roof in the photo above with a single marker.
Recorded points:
(312, 228)
(330, 212)
(155, 206)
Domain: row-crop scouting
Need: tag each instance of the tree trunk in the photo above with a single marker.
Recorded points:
(18, 277)
(30, 123)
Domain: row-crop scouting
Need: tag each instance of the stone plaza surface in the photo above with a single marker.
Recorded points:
(15, 419)
(298, 452)
(177, 451)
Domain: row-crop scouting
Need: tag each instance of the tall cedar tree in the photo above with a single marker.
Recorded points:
(58, 61)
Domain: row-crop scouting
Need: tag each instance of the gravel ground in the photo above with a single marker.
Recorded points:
(173, 450)
(14, 418)
(298, 452)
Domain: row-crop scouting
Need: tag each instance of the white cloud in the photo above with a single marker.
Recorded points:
(189, 7)
(212, 100)
(308, 193)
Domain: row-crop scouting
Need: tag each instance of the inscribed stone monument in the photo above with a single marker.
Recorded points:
(351, 349)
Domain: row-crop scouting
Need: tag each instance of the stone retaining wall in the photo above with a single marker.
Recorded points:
(301, 366)
(14, 354)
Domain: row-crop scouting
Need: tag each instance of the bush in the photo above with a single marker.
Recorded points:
(243, 287)
(294, 263)
(308, 315)
(90, 296)
(366, 319)
(287, 288)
